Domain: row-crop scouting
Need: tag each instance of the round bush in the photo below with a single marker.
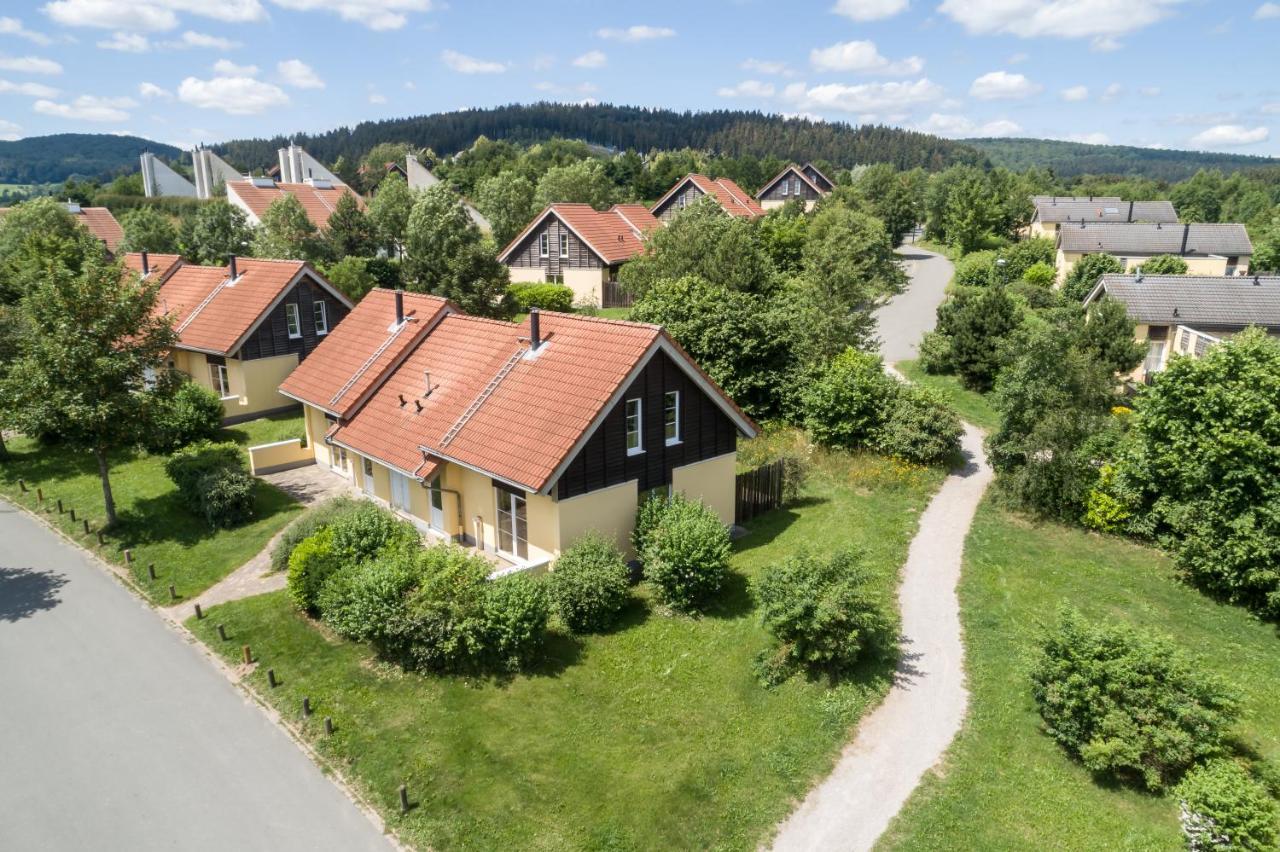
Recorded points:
(1040, 274)
(976, 269)
(920, 427)
(311, 522)
(367, 530)
(310, 564)
(846, 404)
(935, 353)
(590, 584)
(227, 497)
(822, 615)
(1129, 703)
(189, 465)
(360, 600)
(516, 610)
(194, 413)
(648, 514)
(687, 555)
(546, 297)
(1223, 807)
(1025, 254)
(1034, 295)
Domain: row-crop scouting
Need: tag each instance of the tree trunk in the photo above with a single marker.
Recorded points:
(4, 450)
(108, 501)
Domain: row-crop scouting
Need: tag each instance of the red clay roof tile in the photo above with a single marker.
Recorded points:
(318, 202)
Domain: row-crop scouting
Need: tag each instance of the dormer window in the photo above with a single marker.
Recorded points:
(671, 417)
(635, 441)
(321, 315)
(564, 245)
(544, 245)
(293, 320)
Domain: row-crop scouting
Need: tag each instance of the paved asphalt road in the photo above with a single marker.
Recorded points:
(117, 734)
(903, 321)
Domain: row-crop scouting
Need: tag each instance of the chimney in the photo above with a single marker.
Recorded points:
(399, 306)
(535, 331)
(1256, 281)
(1130, 219)
(234, 274)
(146, 265)
(426, 383)
(1186, 232)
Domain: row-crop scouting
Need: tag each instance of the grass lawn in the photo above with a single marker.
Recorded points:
(1005, 784)
(186, 552)
(970, 405)
(655, 736)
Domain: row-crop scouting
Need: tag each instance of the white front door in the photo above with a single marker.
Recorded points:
(513, 524)
(367, 470)
(399, 491)
(437, 507)
(338, 460)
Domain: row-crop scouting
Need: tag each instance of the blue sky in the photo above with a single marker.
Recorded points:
(1167, 73)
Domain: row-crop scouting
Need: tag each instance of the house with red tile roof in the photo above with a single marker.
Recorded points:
(732, 198)
(318, 197)
(96, 220)
(581, 247)
(806, 183)
(243, 328)
(152, 266)
(516, 438)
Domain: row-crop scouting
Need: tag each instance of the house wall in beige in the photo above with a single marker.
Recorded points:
(256, 382)
(711, 481)
(773, 204)
(610, 511)
(1212, 265)
(587, 284)
(527, 274)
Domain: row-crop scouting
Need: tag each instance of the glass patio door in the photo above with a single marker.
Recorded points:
(513, 524)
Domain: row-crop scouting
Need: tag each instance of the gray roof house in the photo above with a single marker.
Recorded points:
(1060, 211)
(1038, 199)
(1140, 238)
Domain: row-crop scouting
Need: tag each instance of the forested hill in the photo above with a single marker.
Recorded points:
(734, 133)
(1068, 159)
(53, 159)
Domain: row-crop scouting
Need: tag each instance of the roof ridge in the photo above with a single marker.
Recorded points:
(610, 320)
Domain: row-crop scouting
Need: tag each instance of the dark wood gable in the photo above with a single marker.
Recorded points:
(816, 176)
(788, 186)
(686, 196)
(528, 254)
(705, 431)
(271, 337)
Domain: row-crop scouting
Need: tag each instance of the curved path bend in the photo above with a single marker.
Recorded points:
(910, 731)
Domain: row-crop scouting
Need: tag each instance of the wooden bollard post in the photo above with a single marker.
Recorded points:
(328, 726)
(73, 516)
(404, 799)
(22, 485)
(306, 706)
(199, 612)
(86, 526)
(39, 495)
(173, 593)
(271, 678)
(128, 556)
(151, 570)
(222, 633)
(248, 655)
(60, 510)
(102, 538)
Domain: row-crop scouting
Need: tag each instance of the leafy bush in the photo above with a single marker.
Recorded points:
(1224, 808)
(590, 584)
(1034, 296)
(976, 269)
(920, 427)
(367, 530)
(648, 514)
(516, 610)
(1040, 274)
(822, 615)
(1164, 264)
(189, 465)
(311, 522)
(935, 353)
(686, 556)
(351, 276)
(359, 601)
(1024, 255)
(1128, 703)
(193, 413)
(978, 324)
(547, 297)
(311, 562)
(846, 404)
(1084, 275)
(226, 497)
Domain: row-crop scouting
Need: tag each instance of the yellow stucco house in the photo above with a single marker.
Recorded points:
(1208, 248)
(1052, 213)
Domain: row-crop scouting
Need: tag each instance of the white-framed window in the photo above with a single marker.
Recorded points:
(293, 320)
(635, 441)
(513, 523)
(544, 245)
(564, 245)
(399, 491)
(321, 313)
(218, 377)
(786, 186)
(671, 417)
(797, 180)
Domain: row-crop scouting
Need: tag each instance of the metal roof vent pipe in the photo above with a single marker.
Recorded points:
(535, 330)
(234, 273)
(1257, 282)
(399, 306)
(1138, 276)
(146, 265)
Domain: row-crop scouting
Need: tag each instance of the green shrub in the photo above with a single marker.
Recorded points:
(976, 269)
(590, 584)
(686, 557)
(1084, 275)
(648, 514)
(367, 530)
(547, 297)
(1223, 807)
(311, 522)
(1164, 264)
(227, 497)
(189, 465)
(935, 353)
(846, 404)
(1127, 703)
(979, 323)
(516, 610)
(1040, 274)
(358, 601)
(1035, 296)
(194, 413)
(351, 276)
(1023, 255)
(920, 427)
(311, 562)
(822, 615)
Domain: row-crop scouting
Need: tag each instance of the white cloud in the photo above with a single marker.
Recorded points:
(33, 90)
(234, 95)
(464, 64)
(1150, 91)
(88, 108)
(639, 32)
(9, 131)
(865, 97)
(374, 14)
(194, 39)
(767, 66)
(1229, 135)
(14, 27)
(299, 74)
(1105, 44)
(1001, 85)
(126, 43)
(1017, 58)
(944, 124)
(1089, 138)
(29, 65)
(149, 15)
(377, 98)
(1075, 93)
(591, 59)
(1271, 108)
(862, 56)
(151, 91)
(227, 68)
(1202, 119)
(868, 10)
(747, 89)
(1267, 11)
(1096, 19)
(1111, 92)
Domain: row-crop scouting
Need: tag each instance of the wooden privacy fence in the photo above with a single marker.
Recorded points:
(615, 297)
(757, 491)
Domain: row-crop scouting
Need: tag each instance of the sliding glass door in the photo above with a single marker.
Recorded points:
(513, 523)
